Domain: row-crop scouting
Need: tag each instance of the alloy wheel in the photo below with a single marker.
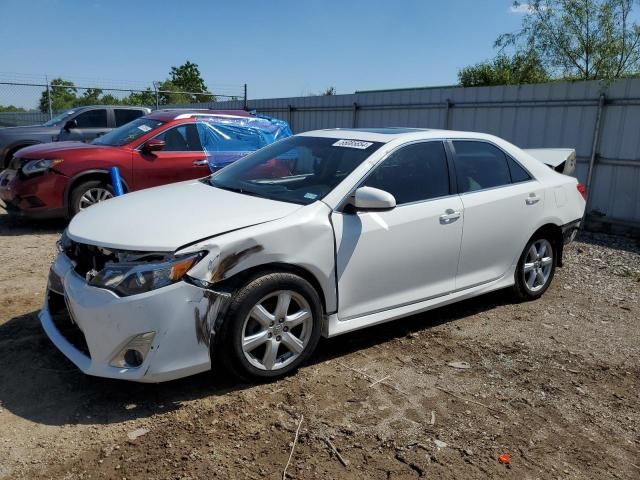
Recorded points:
(277, 330)
(538, 265)
(92, 196)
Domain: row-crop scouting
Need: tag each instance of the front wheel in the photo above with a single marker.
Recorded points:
(272, 326)
(87, 194)
(535, 269)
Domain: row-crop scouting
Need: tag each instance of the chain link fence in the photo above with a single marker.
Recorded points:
(34, 102)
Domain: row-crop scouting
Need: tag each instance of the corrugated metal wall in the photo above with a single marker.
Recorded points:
(560, 114)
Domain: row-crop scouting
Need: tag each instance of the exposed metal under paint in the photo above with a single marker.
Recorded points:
(208, 314)
(231, 261)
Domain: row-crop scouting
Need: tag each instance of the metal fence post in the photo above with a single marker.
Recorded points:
(155, 88)
(594, 151)
(49, 97)
(245, 97)
(354, 120)
(447, 115)
(290, 116)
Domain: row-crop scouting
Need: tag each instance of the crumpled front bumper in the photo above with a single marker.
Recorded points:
(107, 323)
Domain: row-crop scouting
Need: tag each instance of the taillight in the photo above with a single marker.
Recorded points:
(583, 191)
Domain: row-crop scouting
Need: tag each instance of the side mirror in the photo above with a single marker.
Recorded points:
(70, 125)
(153, 145)
(369, 198)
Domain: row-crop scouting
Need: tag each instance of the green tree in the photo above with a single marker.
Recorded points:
(91, 96)
(63, 96)
(579, 39)
(145, 98)
(185, 85)
(11, 108)
(328, 91)
(504, 70)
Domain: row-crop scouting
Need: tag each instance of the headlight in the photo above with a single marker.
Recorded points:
(37, 166)
(132, 278)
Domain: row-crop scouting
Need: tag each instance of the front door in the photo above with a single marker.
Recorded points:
(182, 158)
(410, 253)
(90, 125)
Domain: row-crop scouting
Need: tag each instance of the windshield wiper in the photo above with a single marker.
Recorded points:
(237, 190)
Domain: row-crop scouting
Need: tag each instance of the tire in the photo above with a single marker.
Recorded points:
(258, 343)
(94, 188)
(536, 268)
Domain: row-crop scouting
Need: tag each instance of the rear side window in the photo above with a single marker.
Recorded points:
(480, 165)
(92, 119)
(413, 173)
(518, 173)
(124, 116)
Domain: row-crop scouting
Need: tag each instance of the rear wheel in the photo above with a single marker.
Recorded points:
(89, 193)
(536, 268)
(272, 326)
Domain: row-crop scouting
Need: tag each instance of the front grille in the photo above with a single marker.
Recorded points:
(88, 257)
(64, 322)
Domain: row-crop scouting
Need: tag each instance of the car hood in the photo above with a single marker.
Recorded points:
(168, 217)
(44, 150)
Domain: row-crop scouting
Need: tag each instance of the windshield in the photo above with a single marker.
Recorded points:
(128, 132)
(59, 118)
(297, 169)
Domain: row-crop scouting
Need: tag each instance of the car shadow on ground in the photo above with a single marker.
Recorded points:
(16, 226)
(39, 384)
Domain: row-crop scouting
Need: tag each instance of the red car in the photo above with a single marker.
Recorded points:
(59, 179)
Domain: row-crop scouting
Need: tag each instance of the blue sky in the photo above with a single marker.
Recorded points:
(278, 47)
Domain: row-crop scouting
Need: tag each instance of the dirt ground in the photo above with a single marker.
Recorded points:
(553, 383)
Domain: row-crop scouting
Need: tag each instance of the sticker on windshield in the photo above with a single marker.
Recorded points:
(144, 128)
(310, 196)
(359, 144)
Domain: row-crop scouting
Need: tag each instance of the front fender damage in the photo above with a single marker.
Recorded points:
(304, 241)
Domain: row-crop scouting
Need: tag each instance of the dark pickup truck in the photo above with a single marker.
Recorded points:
(82, 124)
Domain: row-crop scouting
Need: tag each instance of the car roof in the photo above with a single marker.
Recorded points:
(168, 115)
(388, 134)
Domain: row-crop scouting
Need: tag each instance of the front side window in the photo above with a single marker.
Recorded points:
(296, 169)
(128, 133)
(413, 173)
(92, 119)
(183, 138)
(479, 165)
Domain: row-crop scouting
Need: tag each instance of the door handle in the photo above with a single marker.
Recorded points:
(532, 199)
(449, 216)
(200, 163)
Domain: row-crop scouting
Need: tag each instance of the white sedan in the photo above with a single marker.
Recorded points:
(316, 235)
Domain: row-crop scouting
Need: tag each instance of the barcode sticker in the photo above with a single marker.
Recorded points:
(359, 144)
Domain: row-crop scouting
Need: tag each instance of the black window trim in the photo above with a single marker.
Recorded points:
(452, 179)
(450, 141)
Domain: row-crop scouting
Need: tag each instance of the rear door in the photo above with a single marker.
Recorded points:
(182, 158)
(501, 204)
(123, 116)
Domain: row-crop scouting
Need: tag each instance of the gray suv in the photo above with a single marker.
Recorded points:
(79, 124)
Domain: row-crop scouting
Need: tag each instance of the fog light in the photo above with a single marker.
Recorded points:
(134, 352)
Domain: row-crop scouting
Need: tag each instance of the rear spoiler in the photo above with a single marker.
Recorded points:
(562, 160)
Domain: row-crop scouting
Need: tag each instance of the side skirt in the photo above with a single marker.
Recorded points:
(334, 326)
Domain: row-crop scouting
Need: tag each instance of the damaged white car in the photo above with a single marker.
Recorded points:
(316, 235)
